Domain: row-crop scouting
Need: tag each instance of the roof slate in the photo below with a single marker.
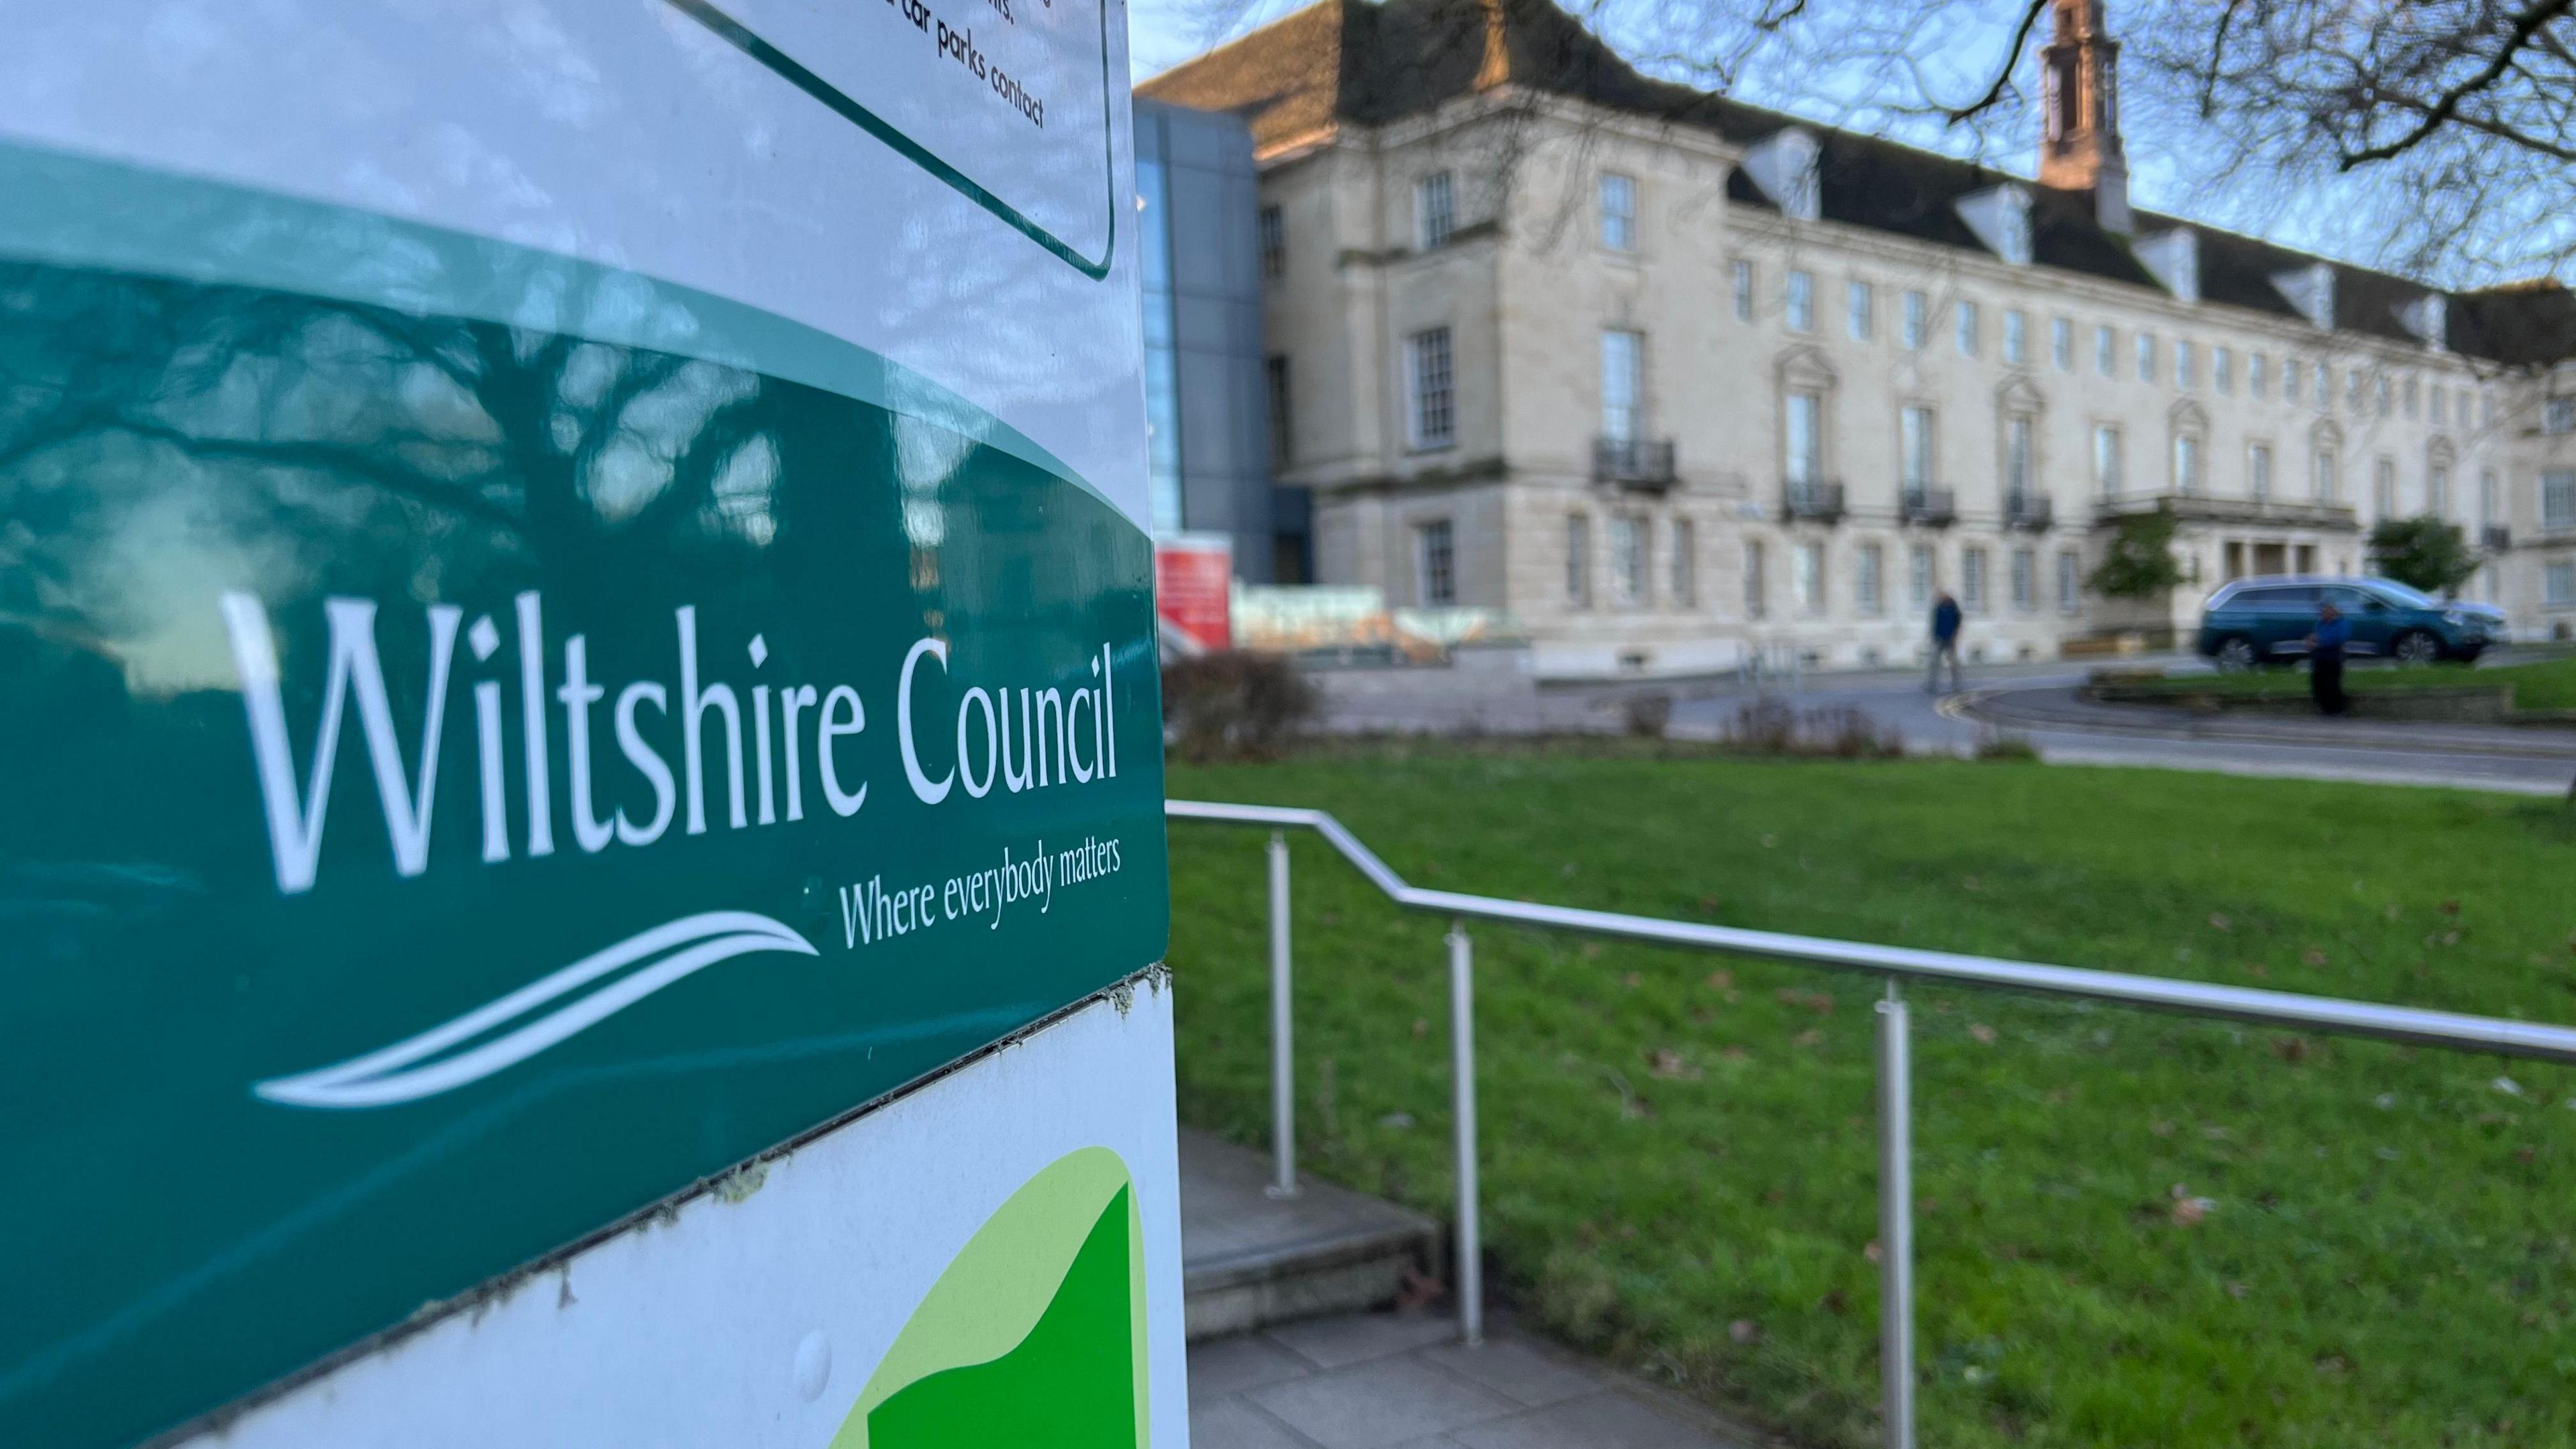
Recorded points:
(1373, 61)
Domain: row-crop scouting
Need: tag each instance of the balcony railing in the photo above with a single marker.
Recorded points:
(1633, 462)
(2030, 511)
(1812, 502)
(1932, 507)
(2201, 508)
(2496, 537)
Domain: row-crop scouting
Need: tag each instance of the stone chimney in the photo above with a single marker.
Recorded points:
(2079, 87)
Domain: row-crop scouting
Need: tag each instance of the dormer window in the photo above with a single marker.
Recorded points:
(2310, 289)
(2174, 259)
(2429, 318)
(2001, 219)
(1787, 169)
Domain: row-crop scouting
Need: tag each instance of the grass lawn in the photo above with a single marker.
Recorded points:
(2548, 684)
(1678, 1149)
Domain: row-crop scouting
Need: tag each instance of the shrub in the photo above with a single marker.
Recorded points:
(2001, 749)
(2140, 563)
(2425, 553)
(1769, 726)
(1765, 727)
(1647, 715)
(1233, 705)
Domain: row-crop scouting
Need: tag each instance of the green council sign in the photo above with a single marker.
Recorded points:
(466, 774)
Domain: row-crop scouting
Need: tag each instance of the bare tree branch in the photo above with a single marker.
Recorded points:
(2442, 110)
(2031, 11)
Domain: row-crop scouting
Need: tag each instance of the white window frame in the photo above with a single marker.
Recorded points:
(1859, 310)
(1685, 563)
(2558, 498)
(1918, 455)
(2021, 456)
(1970, 327)
(1618, 211)
(2190, 465)
(1578, 561)
(1435, 563)
(1918, 321)
(1431, 390)
(1802, 461)
(1632, 559)
(2061, 344)
(2025, 580)
(1807, 577)
(2016, 337)
(2110, 466)
(1743, 280)
(1798, 310)
(1869, 568)
(2070, 581)
(1435, 210)
(1623, 384)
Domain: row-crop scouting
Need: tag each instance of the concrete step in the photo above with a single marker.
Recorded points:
(1249, 1260)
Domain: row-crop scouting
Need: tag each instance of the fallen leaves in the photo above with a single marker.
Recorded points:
(2190, 1211)
(1671, 1066)
(1984, 1034)
(2218, 921)
(1819, 1002)
(1744, 1330)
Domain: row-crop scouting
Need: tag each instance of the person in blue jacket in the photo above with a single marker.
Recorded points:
(1945, 644)
(2325, 660)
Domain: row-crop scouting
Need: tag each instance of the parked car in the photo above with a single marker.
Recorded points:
(2267, 621)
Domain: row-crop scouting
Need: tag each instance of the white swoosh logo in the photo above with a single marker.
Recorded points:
(428, 1064)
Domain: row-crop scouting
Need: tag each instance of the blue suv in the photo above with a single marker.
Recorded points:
(2267, 621)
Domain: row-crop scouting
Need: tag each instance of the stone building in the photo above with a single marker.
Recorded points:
(1672, 379)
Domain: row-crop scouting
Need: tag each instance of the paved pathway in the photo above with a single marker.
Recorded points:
(1382, 1380)
(2035, 702)
(2068, 729)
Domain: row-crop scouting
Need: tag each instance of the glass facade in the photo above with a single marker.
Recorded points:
(1162, 358)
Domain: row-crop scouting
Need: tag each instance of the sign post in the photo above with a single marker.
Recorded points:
(580, 756)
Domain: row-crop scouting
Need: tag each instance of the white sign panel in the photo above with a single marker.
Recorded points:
(992, 1260)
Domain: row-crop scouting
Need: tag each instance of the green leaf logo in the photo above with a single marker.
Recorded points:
(1034, 1335)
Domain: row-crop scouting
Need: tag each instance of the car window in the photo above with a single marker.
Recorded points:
(2291, 601)
(2351, 601)
(2403, 595)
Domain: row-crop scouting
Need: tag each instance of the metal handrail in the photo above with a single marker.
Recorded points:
(2453, 1031)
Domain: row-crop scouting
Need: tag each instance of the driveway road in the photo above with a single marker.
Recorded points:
(2038, 703)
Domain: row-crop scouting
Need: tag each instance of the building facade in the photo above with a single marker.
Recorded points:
(1674, 381)
(1206, 411)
